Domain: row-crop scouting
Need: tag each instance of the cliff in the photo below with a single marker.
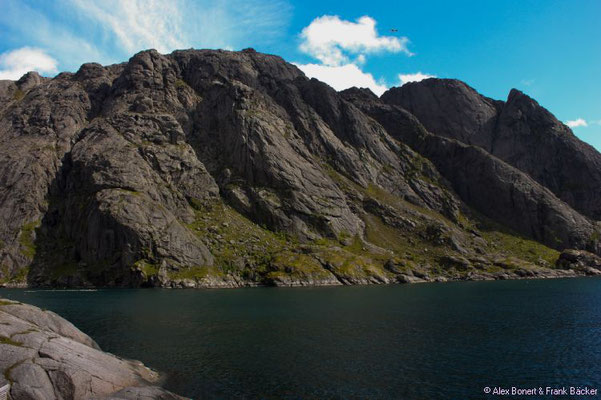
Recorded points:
(209, 168)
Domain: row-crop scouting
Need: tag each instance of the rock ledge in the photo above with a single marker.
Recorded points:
(44, 356)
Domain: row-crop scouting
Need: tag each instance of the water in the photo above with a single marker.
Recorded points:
(425, 341)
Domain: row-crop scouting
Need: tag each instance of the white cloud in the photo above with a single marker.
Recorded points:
(14, 64)
(330, 40)
(138, 24)
(168, 25)
(343, 76)
(70, 47)
(416, 77)
(111, 31)
(342, 48)
(576, 123)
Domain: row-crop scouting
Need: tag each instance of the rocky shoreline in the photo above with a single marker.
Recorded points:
(570, 264)
(43, 356)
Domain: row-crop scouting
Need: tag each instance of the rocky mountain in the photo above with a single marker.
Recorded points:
(210, 168)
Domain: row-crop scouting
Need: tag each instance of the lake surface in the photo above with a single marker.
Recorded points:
(423, 341)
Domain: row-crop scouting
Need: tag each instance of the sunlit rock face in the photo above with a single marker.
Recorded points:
(43, 356)
(208, 168)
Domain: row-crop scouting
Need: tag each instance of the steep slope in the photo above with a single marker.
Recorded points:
(485, 182)
(217, 168)
(518, 131)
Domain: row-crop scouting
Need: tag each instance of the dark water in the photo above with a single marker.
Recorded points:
(427, 341)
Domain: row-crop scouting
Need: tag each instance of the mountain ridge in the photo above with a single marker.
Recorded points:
(210, 168)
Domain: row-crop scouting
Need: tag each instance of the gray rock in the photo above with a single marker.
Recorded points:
(518, 131)
(483, 181)
(141, 393)
(45, 357)
(579, 260)
(108, 176)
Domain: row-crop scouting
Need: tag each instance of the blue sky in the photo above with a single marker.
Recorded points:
(548, 49)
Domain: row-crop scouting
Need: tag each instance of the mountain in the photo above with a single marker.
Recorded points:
(211, 168)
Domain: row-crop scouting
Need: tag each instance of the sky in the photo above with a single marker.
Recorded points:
(549, 49)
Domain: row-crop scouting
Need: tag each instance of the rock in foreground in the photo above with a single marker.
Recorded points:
(43, 356)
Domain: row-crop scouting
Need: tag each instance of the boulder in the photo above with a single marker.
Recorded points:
(43, 356)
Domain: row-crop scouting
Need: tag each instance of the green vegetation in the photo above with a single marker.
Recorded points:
(407, 247)
(26, 239)
(195, 204)
(234, 240)
(503, 243)
(593, 240)
(243, 248)
(18, 95)
(4, 273)
(193, 273)
(9, 341)
(19, 277)
(349, 266)
(511, 244)
(148, 268)
(296, 266)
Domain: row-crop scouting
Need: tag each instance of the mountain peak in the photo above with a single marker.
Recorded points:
(223, 168)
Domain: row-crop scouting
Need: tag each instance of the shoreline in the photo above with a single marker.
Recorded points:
(401, 279)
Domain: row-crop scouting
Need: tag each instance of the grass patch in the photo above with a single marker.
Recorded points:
(387, 237)
(506, 243)
(26, 239)
(9, 341)
(512, 244)
(147, 268)
(195, 204)
(21, 275)
(192, 273)
(235, 240)
(347, 265)
(295, 265)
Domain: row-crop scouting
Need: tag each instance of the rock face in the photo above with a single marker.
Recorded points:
(43, 356)
(518, 131)
(580, 260)
(223, 169)
(491, 186)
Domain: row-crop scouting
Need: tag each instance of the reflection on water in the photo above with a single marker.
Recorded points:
(426, 341)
